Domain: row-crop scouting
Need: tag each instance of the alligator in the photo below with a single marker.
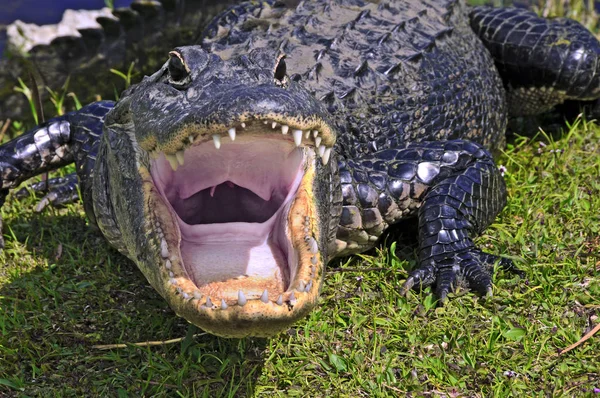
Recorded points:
(295, 132)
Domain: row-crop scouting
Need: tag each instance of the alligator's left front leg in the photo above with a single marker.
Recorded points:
(455, 190)
(60, 141)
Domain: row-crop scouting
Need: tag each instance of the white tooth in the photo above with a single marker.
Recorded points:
(273, 125)
(312, 245)
(292, 297)
(314, 260)
(164, 249)
(297, 137)
(231, 133)
(223, 304)
(171, 274)
(185, 295)
(179, 156)
(191, 139)
(172, 161)
(241, 298)
(243, 125)
(265, 297)
(326, 155)
(307, 134)
(284, 129)
(208, 302)
(279, 300)
(197, 294)
(301, 286)
(308, 287)
(321, 150)
(317, 141)
(266, 122)
(315, 133)
(168, 264)
(217, 140)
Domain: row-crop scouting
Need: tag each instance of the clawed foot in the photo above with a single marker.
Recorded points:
(472, 268)
(58, 191)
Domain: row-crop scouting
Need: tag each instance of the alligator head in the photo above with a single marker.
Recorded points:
(222, 186)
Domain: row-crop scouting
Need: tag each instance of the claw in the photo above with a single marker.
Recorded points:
(408, 285)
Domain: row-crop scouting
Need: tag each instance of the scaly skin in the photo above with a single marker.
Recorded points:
(391, 107)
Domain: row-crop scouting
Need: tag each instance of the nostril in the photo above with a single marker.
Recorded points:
(280, 70)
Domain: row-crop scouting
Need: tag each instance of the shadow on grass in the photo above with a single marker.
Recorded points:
(70, 291)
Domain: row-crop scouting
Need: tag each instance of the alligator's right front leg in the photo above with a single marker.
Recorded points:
(58, 142)
(455, 190)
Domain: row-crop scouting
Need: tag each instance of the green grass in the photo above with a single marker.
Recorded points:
(63, 290)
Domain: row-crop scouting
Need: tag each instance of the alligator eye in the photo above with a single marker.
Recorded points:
(178, 70)
(280, 69)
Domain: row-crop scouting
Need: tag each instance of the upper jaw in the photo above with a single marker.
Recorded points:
(243, 306)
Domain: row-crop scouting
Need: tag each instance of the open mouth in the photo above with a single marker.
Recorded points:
(246, 234)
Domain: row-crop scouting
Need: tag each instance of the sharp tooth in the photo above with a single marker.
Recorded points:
(231, 133)
(308, 287)
(197, 295)
(265, 297)
(297, 137)
(285, 129)
(279, 299)
(317, 141)
(321, 150)
(223, 304)
(168, 264)
(301, 286)
(273, 125)
(217, 140)
(241, 298)
(208, 302)
(191, 139)
(292, 297)
(172, 161)
(326, 155)
(164, 249)
(266, 122)
(179, 156)
(243, 125)
(307, 134)
(314, 260)
(312, 245)
(315, 133)
(185, 295)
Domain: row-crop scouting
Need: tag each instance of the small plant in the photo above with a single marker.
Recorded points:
(23, 88)
(127, 77)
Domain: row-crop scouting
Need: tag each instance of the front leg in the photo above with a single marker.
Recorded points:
(455, 190)
(73, 137)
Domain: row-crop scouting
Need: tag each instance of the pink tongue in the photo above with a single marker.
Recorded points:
(262, 260)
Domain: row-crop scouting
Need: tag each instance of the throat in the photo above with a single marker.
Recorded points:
(226, 203)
